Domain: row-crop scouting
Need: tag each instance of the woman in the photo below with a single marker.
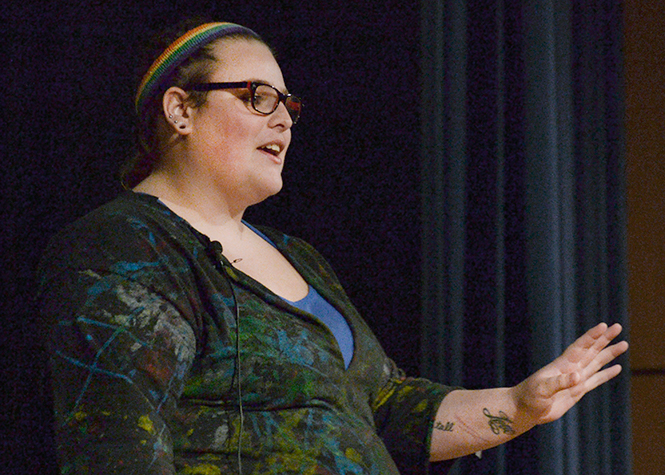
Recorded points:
(187, 341)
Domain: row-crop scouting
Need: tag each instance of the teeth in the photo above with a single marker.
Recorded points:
(273, 147)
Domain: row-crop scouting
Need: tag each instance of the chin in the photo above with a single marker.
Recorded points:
(276, 184)
(269, 190)
(276, 190)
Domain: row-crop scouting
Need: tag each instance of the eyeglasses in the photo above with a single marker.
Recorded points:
(264, 97)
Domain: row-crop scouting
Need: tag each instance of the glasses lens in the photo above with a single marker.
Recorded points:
(265, 99)
(294, 106)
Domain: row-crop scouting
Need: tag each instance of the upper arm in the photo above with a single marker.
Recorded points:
(119, 356)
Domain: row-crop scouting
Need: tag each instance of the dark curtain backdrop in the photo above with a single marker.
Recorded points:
(523, 211)
(503, 128)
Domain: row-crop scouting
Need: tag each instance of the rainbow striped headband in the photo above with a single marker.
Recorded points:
(178, 52)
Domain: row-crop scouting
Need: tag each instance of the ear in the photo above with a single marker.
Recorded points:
(177, 111)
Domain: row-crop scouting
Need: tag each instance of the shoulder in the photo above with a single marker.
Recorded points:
(135, 213)
(131, 231)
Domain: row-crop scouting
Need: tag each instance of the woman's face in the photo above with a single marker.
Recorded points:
(239, 150)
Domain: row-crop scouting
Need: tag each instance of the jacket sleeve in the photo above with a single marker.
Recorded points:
(404, 412)
(119, 354)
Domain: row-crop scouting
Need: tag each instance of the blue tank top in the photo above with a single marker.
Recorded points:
(316, 305)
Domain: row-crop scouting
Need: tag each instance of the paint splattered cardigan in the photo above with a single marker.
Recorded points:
(153, 341)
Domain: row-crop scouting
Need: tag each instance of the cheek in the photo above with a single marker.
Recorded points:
(237, 129)
(224, 136)
(228, 130)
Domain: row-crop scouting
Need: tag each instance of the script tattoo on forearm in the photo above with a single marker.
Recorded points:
(447, 427)
(500, 423)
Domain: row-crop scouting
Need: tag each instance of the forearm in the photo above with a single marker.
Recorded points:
(469, 421)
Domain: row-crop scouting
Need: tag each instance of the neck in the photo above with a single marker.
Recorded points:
(208, 212)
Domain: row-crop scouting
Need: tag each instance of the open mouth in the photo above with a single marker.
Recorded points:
(272, 149)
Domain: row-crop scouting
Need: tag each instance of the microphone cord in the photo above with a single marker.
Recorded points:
(238, 378)
(221, 263)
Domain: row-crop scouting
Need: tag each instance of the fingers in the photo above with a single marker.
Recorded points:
(586, 348)
(598, 334)
(607, 336)
(588, 355)
(597, 331)
(600, 377)
(605, 357)
(599, 348)
(593, 376)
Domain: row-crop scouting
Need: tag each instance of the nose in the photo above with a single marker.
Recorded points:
(281, 117)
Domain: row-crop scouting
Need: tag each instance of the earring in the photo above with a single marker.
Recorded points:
(170, 116)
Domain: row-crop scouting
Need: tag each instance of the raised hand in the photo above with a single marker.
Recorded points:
(549, 393)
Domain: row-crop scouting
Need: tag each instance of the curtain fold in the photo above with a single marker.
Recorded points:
(523, 211)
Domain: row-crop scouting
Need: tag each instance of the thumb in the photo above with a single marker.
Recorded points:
(572, 379)
(560, 383)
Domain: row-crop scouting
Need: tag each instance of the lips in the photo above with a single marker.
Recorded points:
(273, 149)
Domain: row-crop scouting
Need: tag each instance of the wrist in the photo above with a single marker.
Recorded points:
(523, 411)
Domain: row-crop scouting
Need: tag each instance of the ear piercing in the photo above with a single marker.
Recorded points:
(171, 117)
